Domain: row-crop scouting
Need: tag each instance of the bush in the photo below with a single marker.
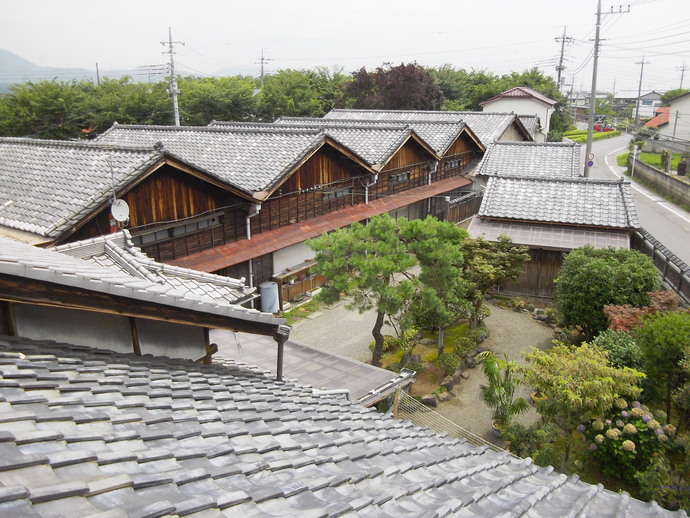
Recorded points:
(623, 350)
(536, 441)
(450, 362)
(389, 344)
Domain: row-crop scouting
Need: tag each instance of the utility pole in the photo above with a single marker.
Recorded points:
(563, 39)
(639, 90)
(173, 80)
(593, 95)
(261, 61)
(98, 76)
(682, 74)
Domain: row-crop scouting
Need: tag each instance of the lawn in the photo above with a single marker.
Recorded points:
(654, 159)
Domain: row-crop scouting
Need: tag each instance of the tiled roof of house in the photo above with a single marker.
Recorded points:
(375, 144)
(166, 289)
(531, 159)
(437, 134)
(520, 92)
(47, 186)
(117, 252)
(86, 432)
(662, 117)
(486, 125)
(573, 201)
(531, 123)
(251, 159)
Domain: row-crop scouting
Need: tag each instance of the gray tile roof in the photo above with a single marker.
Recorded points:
(556, 237)
(84, 432)
(531, 159)
(376, 144)
(23, 260)
(521, 92)
(487, 126)
(573, 201)
(117, 252)
(46, 186)
(251, 159)
(439, 135)
(530, 122)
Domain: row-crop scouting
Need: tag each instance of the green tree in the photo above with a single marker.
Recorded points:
(665, 342)
(579, 385)
(216, 98)
(43, 109)
(293, 93)
(403, 87)
(488, 264)
(363, 262)
(499, 392)
(592, 278)
(672, 94)
(622, 348)
(441, 300)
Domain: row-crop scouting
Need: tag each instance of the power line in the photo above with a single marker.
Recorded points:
(173, 80)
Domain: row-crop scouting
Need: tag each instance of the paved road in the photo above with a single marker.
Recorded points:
(664, 220)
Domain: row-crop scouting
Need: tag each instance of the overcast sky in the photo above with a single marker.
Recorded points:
(496, 35)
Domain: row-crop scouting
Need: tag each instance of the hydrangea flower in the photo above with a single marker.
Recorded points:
(625, 414)
(612, 433)
(630, 429)
(593, 447)
(646, 418)
(662, 437)
(654, 424)
(628, 446)
(581, 428)
(597, 425)
(637, 412)
(608, 422)
(670, 429)
(621, 403)
(599, 438)
(620, 423)
(636, 404)
(658, 431)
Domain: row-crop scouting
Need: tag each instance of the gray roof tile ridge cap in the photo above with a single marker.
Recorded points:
(188, 273)
(140, 264)
(85, 144)
(629, 204)
(76, 245)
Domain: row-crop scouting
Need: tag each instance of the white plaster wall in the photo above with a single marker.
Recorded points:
(171, 340)
(524, 107)
(680, 118)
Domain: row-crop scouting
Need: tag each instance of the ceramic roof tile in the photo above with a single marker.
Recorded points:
(374, 465)
(487, 126)
(531, 123)
(46, 186)
(531, 159)
(521, 92)
(52, 266)
(251, 159)
(573, 201)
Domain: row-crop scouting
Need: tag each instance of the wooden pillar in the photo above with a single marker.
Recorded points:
(136, 347)
(8, 325)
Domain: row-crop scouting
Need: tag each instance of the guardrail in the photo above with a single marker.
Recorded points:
(674, 272)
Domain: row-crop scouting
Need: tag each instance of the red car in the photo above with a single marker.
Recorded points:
(603, 127)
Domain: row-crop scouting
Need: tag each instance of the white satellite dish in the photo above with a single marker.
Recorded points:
(120, 210)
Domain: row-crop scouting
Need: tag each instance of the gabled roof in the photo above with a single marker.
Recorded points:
(521, 92)
(89, 432)
(440, 135)
(487, 126)
(250, 157)
(375, 144)
(117, 252)
(662, 117)
(531, 123)
(47, 186)
(531, 159)
(571, 201)
(125, 289)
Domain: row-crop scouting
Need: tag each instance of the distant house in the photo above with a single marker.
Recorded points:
(489, 127)
(553, 216)
(649, 102)
(678, 126)
(524, 101)
(661, 118)
(105, 293)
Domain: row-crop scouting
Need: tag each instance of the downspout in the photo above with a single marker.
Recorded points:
(433, 167)
(366, 188)
(281, 337)
(254, 210)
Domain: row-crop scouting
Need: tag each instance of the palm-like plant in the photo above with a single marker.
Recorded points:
(499, 393)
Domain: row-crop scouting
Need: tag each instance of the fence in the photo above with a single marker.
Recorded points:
(420, 415)
(674, 272)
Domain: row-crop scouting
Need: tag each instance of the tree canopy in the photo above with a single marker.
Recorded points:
(592, 278)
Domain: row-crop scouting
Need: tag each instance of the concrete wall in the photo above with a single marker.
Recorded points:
(665, 184)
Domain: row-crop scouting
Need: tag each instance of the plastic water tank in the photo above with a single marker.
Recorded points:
(269, 297)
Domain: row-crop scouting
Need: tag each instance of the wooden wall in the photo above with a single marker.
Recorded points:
(540, 272)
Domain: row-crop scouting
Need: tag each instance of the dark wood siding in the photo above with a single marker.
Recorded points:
(458, 156)
(540, 272)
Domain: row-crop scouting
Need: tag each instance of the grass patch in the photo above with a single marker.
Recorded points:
(622, 160)
(654, 159)
(301, 311)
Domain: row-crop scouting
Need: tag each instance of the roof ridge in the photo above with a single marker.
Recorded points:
(85, 144)
(220, 127)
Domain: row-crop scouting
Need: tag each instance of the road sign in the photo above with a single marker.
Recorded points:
(590, 163)
(590, 156)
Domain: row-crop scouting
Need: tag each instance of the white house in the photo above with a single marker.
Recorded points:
(678, 126)
(524, 101)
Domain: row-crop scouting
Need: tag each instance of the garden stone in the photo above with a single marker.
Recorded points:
(430, 400)
(445, 396)
(465, 375)
(448, 383)
(457, 375)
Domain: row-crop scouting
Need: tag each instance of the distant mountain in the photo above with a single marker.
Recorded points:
(15, 69)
